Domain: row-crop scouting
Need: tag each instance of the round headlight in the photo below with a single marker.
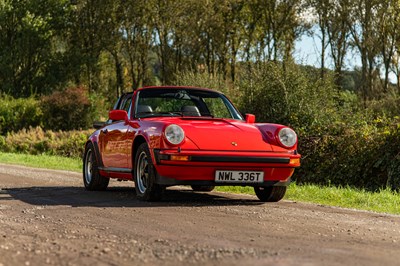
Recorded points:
(287, 137)
(174, 134)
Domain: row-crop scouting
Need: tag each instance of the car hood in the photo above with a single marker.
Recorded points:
(227, 135)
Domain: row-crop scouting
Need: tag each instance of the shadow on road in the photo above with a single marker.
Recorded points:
(116, 197)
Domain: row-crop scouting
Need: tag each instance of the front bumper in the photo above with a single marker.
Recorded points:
(198, 168)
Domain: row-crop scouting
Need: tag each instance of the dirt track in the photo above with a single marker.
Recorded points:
(46, 217)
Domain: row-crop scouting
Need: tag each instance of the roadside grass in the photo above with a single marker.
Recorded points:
(384, 201)
(42, 161)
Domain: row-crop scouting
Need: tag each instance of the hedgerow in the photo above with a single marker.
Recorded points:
(16, 114)
(366, 157)
(39, 141)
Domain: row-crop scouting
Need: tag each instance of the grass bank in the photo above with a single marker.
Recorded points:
(42, 161)
(385, 201)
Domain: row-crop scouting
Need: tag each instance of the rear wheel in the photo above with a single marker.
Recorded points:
(145, 175)
(203, 188)
(91, 176)
(270, 194)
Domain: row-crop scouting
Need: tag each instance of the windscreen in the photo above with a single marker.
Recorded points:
(185, 103)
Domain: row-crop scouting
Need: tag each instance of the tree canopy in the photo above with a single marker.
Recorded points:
(115, 45)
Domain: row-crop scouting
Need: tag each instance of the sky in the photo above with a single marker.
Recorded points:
(308, 52)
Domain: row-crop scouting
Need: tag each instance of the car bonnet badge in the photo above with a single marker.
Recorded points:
(234, 143)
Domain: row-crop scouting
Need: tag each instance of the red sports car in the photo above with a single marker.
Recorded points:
(166, 136)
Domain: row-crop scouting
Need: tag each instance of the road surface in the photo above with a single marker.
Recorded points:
(47, 218)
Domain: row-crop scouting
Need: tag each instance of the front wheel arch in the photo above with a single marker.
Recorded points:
(144, 175)
(139, 140)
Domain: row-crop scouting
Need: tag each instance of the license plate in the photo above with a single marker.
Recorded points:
(239, 177)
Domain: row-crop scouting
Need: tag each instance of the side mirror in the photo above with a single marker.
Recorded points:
(250, 119)
(117, 115)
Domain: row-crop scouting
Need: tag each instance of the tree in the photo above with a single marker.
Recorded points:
(388, 19)
(30, 53)
(338, 32)
(363, 29)
(321, 9)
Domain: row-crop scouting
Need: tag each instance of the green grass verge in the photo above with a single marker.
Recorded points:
(42, 161)
(385, 201)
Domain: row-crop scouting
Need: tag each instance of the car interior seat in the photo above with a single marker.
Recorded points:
(190, 110)
(144, 109)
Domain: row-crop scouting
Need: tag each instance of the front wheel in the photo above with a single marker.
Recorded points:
(145, 175)
(91, 176)
(270, 194)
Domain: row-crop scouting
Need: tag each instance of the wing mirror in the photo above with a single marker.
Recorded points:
(117, 115)
(250, 119)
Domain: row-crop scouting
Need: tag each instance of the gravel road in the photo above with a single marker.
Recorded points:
(47, 218)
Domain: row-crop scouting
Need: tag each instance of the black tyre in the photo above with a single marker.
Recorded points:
(270, 194)
(203, 188)
(91, 176)
(144, 175)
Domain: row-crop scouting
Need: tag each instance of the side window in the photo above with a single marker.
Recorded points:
(124, 103)
(127, 103)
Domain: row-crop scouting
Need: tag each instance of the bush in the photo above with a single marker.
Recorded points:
(16, 114)
(288, 96)
(37, 141)
(67, 110)
(363, 157)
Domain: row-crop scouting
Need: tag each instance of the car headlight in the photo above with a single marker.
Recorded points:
(287, 137)
(174, 134)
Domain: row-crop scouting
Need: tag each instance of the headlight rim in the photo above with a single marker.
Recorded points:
(278, 137)
(168, 140)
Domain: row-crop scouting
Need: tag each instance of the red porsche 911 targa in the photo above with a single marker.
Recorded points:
(166, 136)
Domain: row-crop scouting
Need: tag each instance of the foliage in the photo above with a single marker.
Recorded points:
(71, 109)
(29, 63)
(117, 45)
(37, 141)
(288, 96)
(364, 156)
(16, 114)
(67, 110)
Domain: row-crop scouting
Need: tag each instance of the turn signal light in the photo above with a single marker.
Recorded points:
(179, 158)
(295, 161)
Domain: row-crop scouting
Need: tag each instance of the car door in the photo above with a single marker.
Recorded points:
(114, 140)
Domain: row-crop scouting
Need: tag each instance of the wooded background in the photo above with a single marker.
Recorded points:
(113, 46)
